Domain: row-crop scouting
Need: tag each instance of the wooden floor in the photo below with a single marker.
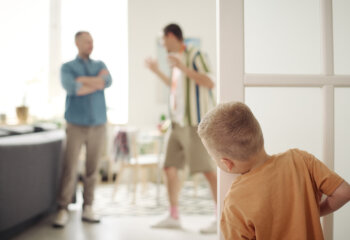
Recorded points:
(117, 228)
(123, 220)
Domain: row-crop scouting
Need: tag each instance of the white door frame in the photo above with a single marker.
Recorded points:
(232, 79)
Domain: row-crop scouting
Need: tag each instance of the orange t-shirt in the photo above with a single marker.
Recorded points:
(279, 200)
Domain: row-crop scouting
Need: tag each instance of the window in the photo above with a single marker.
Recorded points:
(106, 20)
(24, 56)
(287, 116)
(341, 31)
(290, 45)
(27, 77)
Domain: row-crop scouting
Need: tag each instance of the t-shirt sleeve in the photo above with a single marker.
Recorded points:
(326, 180)
(201, 63)
(233, 225)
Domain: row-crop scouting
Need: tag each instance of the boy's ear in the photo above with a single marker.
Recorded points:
(228, 163)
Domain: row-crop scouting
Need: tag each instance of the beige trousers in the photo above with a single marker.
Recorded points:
(93, 137)
(185, 147)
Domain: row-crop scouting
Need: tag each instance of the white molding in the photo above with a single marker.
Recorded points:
(327, 56)
(286, 80)
(230, 48)
(328, 147)
(230, 70)
(327, 68)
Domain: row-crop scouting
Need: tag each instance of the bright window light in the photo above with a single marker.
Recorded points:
(106, 20)
(24, 47)
(24, 56)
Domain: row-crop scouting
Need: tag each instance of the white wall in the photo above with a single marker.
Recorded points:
(342, 156)
(147, 96)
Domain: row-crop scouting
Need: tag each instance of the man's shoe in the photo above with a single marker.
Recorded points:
(168, 222)
(61, 218)
(211, 229)
(89, 215)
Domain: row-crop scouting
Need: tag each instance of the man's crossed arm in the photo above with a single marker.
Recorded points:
(92, 84)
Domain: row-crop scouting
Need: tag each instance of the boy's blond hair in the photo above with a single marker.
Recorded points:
(231, 130)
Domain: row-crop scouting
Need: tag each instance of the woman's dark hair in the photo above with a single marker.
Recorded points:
(174, 29)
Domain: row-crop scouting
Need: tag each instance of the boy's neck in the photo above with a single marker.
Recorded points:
(258, 159)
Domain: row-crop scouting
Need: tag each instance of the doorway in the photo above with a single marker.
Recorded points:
(285, 68)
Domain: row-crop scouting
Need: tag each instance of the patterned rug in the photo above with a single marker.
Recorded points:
(191, 201)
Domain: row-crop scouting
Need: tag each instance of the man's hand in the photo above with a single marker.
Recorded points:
(152, 64)
(200, 78)
(176, 62)
(80, 79)
(91, 84)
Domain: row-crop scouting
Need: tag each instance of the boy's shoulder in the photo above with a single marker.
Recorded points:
(299, 152)
(294, 154)
(277, 161)
(247, 184)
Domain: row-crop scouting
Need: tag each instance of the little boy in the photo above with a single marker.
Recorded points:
(275, 197)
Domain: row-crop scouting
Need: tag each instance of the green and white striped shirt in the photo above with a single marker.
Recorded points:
(197, 100)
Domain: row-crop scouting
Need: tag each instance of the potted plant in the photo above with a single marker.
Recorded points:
(22, 112)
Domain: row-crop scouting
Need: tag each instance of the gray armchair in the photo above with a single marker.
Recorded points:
(30, 166)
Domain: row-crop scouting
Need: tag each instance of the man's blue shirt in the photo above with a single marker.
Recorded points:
(90, 109)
